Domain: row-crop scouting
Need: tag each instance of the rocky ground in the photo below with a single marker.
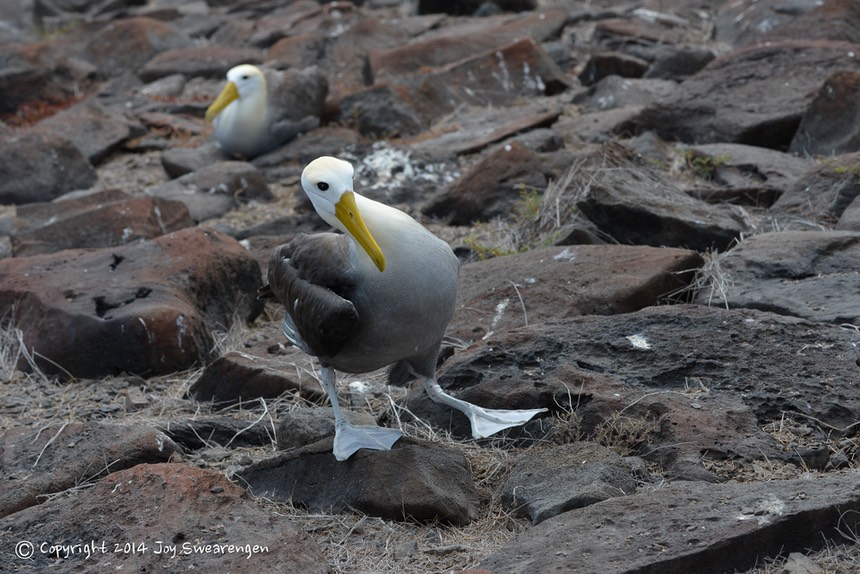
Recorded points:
(655, 206)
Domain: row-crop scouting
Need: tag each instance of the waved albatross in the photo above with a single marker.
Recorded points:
(380, 293)
(246, 125)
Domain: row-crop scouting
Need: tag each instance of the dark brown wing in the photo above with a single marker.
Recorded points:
(312, 276)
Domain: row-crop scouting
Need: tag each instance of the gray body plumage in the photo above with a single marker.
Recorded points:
(401, 314)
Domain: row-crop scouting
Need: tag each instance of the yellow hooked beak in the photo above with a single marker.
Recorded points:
(347, 212)
(228, 95)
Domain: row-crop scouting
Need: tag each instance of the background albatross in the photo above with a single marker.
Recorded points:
(246, 122)
(380, 293)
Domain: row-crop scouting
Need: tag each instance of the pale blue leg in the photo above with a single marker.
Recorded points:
(348, 437)
(485, 422)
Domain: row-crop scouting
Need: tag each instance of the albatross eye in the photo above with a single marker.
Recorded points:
(322, 186)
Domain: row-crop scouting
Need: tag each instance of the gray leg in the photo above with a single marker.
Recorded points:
(348, 437)
(485, 422)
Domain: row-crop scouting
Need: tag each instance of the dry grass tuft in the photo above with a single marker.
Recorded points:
(627, 435)
(712, 278)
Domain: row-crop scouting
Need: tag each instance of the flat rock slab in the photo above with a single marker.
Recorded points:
(472, 129)
(206, 61)
(634, 203)
(795, 273)
(724, 103)
(546, 483)
(412, 481)
(617, 92)
(102, 219)
(242, 377)
(215, 189)
(498, 77)
(821, 195)
(687, 527)
(39, 462)
(701, 377)
(94, 129)
(456, 43)
(160, 517)
(745, 174)
(556, 283)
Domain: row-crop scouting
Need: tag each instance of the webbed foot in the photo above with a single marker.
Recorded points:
(348, 438)
(486, 422)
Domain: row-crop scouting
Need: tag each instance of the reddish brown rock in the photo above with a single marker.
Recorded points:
(122, 45)
(147, 308)
(163, 517)
(558, 283)
(44, 461)
(345, 62)
(103, 219)
(459, 43)
(497, 77)
(36, 73)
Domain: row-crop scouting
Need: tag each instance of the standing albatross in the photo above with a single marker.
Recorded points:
(246, 124)
(380, 293)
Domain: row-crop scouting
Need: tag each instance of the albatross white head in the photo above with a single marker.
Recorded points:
(328, 183)
(246, 86)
